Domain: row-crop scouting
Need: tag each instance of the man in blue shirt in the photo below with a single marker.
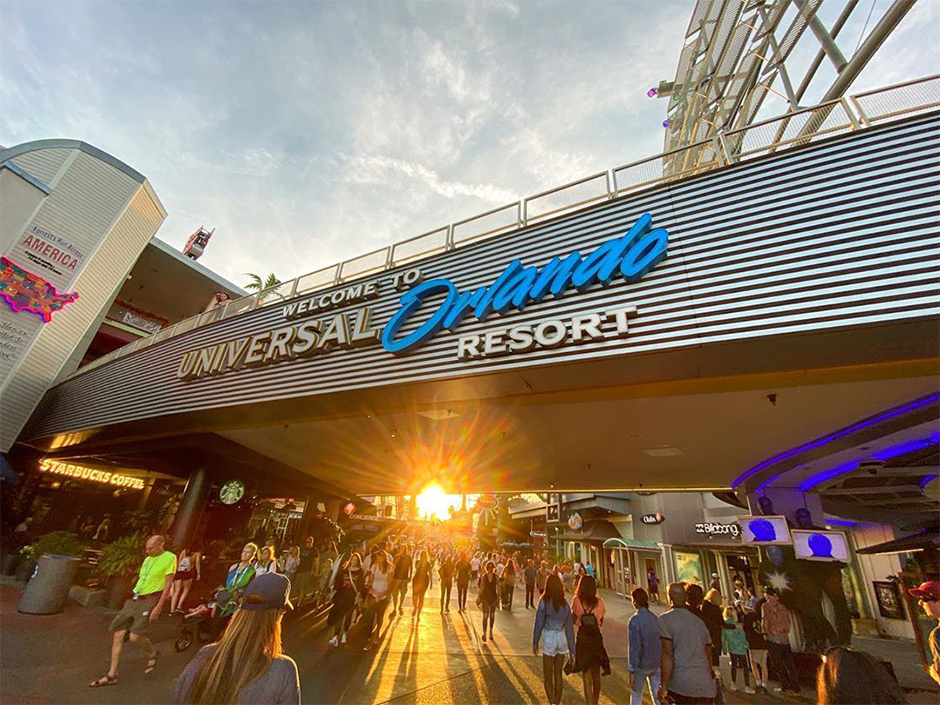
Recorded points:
(645, 649)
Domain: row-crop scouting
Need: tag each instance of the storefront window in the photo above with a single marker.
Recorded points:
(689, 567)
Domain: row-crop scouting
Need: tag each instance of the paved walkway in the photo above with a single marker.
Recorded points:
(437, 659)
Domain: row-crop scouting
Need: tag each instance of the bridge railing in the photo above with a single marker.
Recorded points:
(793, 129)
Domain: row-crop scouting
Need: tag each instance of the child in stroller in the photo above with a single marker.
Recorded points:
(206, 622)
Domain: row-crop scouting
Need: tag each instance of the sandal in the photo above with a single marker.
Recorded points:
(152, 663)
(104, 680)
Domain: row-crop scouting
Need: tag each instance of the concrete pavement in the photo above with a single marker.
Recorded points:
(437, 659)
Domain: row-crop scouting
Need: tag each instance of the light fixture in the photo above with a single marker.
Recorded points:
(662, 451)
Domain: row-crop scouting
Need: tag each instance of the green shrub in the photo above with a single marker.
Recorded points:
(122, 557)
(58, 543)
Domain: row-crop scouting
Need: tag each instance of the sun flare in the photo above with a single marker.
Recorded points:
(435, 502)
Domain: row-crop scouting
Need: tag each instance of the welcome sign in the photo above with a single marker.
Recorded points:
(629, 256)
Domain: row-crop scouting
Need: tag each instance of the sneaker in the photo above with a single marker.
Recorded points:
(484, 637)
(334, 642)
(734, 687)
(343, 640)
(749, 690)
(491, 636)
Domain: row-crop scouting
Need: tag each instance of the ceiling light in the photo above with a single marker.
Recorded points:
(662, 451)
(438, 414)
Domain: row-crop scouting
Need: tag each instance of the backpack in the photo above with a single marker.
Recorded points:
(588, 619)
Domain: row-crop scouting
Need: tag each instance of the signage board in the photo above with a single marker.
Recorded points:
(629, 256)
(575, 522)
(714, 528)
(487, 501)
(652, 518)
(92, 475)
(232, 492)
(764, 530)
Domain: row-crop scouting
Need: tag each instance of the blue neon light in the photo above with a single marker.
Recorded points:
(884, 454)
(631, 256)
(927, 480)
(840, 522)
(892, 413)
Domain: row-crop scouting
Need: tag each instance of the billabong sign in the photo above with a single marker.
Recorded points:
(712, 528)
(632, 256)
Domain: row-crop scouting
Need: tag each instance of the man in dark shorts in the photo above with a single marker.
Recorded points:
(143, 607)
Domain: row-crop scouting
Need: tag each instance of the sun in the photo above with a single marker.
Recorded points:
(435, 502)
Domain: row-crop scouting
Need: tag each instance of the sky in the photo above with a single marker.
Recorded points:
(306, 133)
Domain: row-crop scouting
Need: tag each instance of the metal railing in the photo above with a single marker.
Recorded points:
(767, 137)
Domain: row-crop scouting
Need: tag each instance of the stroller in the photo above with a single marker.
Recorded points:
(206, 622)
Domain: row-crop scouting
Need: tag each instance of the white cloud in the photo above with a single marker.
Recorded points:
(307, 133)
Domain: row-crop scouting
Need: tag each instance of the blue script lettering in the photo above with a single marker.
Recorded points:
(632, 255)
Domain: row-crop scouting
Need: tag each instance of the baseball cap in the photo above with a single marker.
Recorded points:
(927, 591)
(269, 591)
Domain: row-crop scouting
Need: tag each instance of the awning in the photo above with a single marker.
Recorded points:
(618, 542)
(594, 530)
(929, 540)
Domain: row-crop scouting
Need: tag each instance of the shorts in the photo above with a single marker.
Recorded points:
(183, 575)
(135, 614)
(554, 643)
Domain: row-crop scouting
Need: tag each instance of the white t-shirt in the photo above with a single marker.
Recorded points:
(380, 581)
(474, 564)
(499, 570)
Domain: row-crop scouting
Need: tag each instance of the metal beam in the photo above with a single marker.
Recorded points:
(836, 28)
(869, 46)
(826, 40)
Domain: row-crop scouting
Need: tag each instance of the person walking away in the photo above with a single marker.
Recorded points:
(188, 566)
(400, 579)
(929, 595)
(154, 581)
(378, 581)
(267, 563)
(488, 598)
(475, 567)
(653, 583)
(776, 621)
(420, 584)
(509, 584)
(344, 600)
(756, 643)
(589, 570)
(247, 665)
(540, 577)
(645, 650)
(463, 571)
(709, 614)
(849, 677)
(305, 569)
(529, 575)
(554, 628)
(687, 675)
(446, 573)
(588, 610)
(734, 643)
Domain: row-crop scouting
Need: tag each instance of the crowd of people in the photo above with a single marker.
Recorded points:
(674, 655)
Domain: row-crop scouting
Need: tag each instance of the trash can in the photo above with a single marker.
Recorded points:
(49, 587)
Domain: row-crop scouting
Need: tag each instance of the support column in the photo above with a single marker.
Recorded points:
(191, 507)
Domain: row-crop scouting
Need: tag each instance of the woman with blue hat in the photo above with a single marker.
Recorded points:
(246, 665)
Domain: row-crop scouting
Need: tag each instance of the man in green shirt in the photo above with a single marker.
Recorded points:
(150, 593)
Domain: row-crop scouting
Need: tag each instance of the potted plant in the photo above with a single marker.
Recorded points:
(57, 543)
(118, 565)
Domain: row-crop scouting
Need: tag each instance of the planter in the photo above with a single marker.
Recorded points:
(24, 570)
(118, 590)
(47, 591)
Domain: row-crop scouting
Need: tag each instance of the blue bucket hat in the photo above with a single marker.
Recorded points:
(270, 591)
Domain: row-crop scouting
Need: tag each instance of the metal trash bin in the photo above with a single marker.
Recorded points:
(49, 587)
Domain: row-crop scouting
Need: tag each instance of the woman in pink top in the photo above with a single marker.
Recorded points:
(588, 611)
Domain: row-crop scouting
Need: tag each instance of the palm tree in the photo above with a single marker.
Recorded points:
(264, 285)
